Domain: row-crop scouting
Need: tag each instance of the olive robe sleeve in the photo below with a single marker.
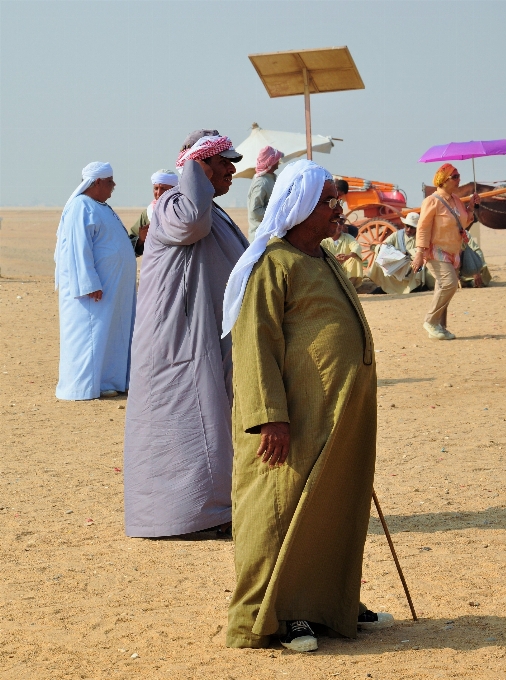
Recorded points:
(143, 221)
(259, 330)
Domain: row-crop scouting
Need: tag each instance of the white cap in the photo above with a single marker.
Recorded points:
(411, 219)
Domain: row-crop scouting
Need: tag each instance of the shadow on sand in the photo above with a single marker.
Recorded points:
(385, 382)
(486, 336)
(431, 522)
(463, 633)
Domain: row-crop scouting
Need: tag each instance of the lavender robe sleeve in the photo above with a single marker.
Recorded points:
(185, 214)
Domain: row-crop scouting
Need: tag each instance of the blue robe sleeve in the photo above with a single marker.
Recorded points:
(80, 231)
(184, 217)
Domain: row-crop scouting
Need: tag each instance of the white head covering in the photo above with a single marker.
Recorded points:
(90, 173)
(294, 197)
(411, 219)
(164, 176)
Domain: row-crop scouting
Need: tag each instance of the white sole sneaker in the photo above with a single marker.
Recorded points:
(108, 394)
(435, 332)
(306, 643)
(385, 620)
(448, 335)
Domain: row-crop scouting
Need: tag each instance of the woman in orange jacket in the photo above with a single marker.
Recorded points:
(439, 236)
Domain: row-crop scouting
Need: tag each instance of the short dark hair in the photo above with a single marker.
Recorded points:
(342, 186)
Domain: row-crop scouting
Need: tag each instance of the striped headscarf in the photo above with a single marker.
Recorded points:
(267, 157)
(205, 147)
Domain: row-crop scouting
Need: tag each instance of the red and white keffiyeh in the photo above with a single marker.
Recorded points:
(205, 147)
(267, 158)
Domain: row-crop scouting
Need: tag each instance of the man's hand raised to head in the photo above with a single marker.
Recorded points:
(274, 443)
(205, 167)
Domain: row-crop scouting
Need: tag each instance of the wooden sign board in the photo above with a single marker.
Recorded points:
(329, 69)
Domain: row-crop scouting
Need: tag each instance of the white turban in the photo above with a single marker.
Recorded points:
(90, 173)
(294, 197)
(165, 177)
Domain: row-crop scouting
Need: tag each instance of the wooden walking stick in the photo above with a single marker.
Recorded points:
(394, 555)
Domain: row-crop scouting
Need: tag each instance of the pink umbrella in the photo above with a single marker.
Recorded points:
(459, 151)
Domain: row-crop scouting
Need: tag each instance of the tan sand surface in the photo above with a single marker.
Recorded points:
(78, 599)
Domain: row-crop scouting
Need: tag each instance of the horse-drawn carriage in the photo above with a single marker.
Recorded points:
(382, 205)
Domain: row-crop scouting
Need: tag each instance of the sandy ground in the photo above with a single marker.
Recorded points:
(78, 599)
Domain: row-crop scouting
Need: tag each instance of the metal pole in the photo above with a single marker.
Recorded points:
(474, 177)
(307, 108)
(394, 555)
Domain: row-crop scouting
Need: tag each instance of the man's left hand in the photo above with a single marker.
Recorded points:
(342, 257)
(274, 443)
(96, 295)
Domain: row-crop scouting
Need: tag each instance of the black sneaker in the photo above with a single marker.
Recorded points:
(299, 637)
(369, 620)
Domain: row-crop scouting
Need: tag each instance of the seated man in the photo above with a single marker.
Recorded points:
(162, 181)
(403, 240)
(348, 252)
(483, 278)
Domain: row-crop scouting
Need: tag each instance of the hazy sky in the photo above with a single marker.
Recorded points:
(125, 81)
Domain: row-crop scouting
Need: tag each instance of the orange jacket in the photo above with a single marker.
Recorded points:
(437, 226)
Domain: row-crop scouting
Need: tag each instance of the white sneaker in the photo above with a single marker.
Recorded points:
(448, 335)
(383, 620)
(299, 637)
(435, 332)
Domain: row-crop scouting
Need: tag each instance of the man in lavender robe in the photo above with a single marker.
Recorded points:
(178, 445)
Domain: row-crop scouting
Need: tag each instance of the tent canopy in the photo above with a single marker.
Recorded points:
(292, 144)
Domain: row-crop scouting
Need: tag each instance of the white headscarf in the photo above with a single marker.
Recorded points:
(293, 199)
(90, 173)
(165, 177)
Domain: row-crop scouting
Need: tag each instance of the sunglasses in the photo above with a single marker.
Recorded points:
(332, 203)
(457, 176)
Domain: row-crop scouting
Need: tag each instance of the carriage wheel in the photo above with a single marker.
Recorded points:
(372, 232)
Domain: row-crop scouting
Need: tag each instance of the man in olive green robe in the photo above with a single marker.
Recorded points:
(304, 425)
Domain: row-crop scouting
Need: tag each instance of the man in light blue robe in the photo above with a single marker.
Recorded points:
(96, 279)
